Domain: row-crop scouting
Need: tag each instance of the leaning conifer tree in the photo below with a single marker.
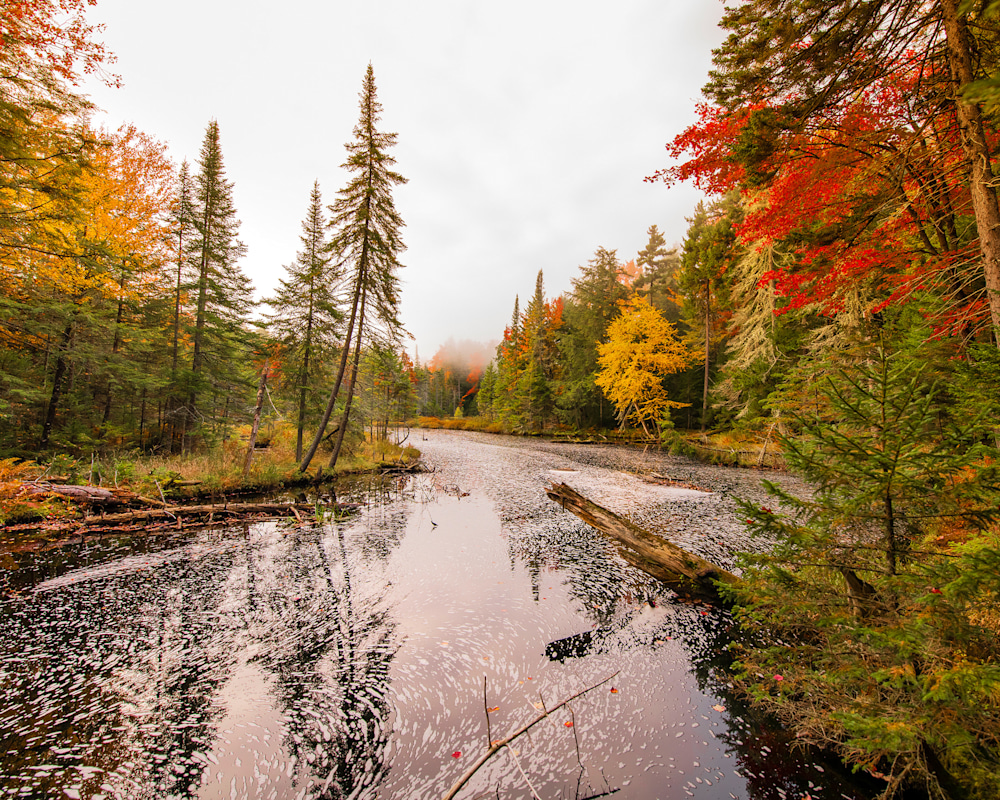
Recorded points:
(367, 240)
(306, 316)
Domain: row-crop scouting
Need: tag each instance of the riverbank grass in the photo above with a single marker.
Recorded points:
(219, 471)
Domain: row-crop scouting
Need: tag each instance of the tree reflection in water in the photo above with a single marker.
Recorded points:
(330, 645)
(119, 669)
(151, 673)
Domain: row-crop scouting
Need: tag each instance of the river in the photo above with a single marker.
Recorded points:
(347, 658)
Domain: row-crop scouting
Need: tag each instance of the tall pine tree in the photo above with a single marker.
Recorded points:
(367, 238)
(222, 290)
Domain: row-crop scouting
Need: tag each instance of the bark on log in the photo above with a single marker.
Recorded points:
(684, 572)
(94, 495)
(172, 512)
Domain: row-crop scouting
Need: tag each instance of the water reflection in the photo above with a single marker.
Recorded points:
(347, 658)
(329, 647)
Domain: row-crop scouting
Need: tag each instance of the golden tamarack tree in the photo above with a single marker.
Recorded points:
(642, 349)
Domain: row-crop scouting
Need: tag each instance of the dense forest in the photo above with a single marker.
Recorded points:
(127, 319)
(838, 288)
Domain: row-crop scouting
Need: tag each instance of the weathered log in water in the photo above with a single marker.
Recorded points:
(93, 495)
(214, 509)
(684, 572)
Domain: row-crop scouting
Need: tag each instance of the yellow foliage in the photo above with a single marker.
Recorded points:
(642, 349)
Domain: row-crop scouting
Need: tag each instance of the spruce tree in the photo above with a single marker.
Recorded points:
(660, 265)
(367, 239)
(590, 307)
(222, 290)
(534, 387)
(305, 314)
(870, 608)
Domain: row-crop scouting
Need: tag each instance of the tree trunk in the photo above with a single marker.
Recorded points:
(354, 377)
(256, 418)
(342, 368)
(303, 386)
(708, 340)
(977, 156)
(684, 572)
(57, 385)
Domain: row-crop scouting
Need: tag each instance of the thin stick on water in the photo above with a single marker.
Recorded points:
(495, 747)
(517, 764)
(572, 719)
(486, 708)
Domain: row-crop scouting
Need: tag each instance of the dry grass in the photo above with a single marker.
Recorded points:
(736, 448)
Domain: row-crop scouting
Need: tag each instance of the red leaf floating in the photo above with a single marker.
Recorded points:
(568, 723)
(457, 754)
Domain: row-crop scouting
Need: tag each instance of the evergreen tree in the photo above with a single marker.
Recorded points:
(658, 279)
(222, 290)
(509, 366)
(709, 248)
(486, 396)
(367, 237)
(183, 227)
(871, 605)
(305, 315)
(589, 309)
(535, 386)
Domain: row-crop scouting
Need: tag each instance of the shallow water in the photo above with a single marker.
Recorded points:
(348, 659)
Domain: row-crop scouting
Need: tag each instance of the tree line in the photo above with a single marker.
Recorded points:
(126, 319)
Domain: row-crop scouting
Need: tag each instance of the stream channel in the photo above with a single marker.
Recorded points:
(347, 658)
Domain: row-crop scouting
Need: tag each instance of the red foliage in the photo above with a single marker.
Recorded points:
(706, 146)
(55, 32)
(866, 195)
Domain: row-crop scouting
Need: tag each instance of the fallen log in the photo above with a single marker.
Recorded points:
(92, 495)
(684, 572)
(173, 512)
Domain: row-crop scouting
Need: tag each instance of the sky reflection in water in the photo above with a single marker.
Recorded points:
(347, 660)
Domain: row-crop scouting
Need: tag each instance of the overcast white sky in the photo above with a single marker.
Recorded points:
(525, 127)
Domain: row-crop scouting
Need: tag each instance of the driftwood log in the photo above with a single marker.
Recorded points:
(215, 509)
(684, 572)
(93, 495)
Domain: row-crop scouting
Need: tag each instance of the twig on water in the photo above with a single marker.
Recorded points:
(576, 739)
(517, 764)
(495, 747)
(486, 708)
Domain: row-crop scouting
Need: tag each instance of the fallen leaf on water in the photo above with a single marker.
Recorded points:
(614, 690)
(568, 723)
(539, 706)
(717, 707)
(457, 754)
(491, 710)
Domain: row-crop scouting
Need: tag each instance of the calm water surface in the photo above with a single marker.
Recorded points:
(347, 659)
